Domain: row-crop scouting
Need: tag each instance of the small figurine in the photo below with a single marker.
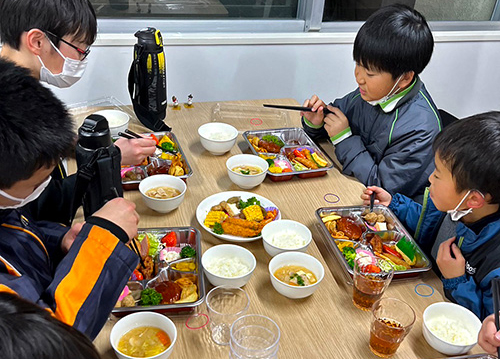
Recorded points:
(175, 104)
(189, 102)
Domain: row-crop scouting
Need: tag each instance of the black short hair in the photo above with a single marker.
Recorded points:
(35, 128)
(470, 149)
(60, 17)
(394, 39)
(28, 331)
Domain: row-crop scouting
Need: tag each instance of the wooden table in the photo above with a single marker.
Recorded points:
(325, 325)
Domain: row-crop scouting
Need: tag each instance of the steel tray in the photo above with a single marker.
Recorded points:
(293, 137)
(130, 185)
(355, 212)
(185, 235)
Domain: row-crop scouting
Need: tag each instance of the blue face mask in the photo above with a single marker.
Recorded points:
(457, 214)
(24, 201)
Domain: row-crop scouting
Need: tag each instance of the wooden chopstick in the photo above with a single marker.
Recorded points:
(132, 135)
(137, 251)
(297, 108)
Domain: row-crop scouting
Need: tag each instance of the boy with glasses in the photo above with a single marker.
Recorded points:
(52, 39)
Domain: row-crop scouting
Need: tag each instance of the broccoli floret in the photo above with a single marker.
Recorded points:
(349, 254)
(188, 252)
(150, 296)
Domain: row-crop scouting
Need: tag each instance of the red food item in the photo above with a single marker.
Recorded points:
(170, 239)
(170, 291)
(370, 268)
(297, 153)
(287, 170)
(154, 138)
(389, 250)
(350, 228)
(138, 275)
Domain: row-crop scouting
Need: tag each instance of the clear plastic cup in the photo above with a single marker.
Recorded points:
(391, 321)
(254, 336)
(225, 305)
(369, 286)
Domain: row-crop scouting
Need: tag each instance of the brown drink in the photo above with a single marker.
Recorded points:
(369, 285)
(363, 297)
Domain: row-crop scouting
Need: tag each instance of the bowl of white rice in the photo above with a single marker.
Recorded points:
(285, 236)
(217, 137)
(450, 328)
(117, 120)
(228, 264)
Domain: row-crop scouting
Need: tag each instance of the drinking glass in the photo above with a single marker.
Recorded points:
(369, 286)
(254, 336)
(225, 305)
(391, 321)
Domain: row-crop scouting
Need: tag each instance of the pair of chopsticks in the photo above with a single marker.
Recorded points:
(495, 287)
(297, 108)
(133, 246)
(132, 135)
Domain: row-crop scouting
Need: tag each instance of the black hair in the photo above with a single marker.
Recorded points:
(60, 17)
(470, 149)
(29, 332)
(394, 39)
(35, 128)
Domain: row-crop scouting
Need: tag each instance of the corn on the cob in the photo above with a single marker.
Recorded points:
(253, 213)
(214, 217)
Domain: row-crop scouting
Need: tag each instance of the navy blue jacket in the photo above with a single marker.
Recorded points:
(81, 287)
(424, 220)
(391, 150)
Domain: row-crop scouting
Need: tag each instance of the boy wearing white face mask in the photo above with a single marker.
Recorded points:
(458, 224)
(76, 273)
(52, 39)
(383, 131)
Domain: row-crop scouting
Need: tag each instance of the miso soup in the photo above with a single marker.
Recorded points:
(163, 192)
(144, 342)
(295, 275)
(247, 170)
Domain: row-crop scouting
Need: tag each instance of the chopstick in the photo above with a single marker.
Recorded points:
(297, 108)
(132, 135)
(496, 304)
(135, 249)
(372, 201)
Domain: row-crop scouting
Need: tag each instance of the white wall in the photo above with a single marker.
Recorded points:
(463, 77)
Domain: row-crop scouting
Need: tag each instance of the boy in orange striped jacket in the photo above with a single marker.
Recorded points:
(77, 273)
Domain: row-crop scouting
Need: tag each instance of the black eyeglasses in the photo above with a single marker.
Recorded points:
(83, 53)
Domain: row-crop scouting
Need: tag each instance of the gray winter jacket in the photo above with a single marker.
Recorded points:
(392, 150)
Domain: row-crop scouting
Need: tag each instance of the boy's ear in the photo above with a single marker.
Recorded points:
(478, 201)
(33, 40)
(406, 80)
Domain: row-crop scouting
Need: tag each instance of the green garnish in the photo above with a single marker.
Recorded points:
(167, 146)
(270, 161)
(300, 281)
(188, 252)
(150, 296)
(218, 228)
(274, 139)
(250, 202)
(349, 254)
(245, 172)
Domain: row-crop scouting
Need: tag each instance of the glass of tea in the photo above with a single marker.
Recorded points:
(391, 321)
(371, 276)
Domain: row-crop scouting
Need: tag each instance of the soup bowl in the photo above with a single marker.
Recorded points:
(143, 319)
(246, 181)
(299, 259)
(162, 205)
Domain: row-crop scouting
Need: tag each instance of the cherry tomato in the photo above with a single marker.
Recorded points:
(287, 170)
(297, 153)
(138, 275)
(170, 239)
(371, 268)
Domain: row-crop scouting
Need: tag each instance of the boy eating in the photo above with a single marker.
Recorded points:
(77, 273)
(458, 223)
(383, 131)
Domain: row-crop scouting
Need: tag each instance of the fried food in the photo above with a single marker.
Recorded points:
(241, 228)
(306, 162)
(350, 228)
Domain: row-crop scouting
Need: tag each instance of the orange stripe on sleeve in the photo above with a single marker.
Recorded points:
(77, 285)
(30, 233)
(4, 288)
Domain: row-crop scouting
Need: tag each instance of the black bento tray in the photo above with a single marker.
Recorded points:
(293, 137)
(134, 184)
(185, 235)
(355, 213)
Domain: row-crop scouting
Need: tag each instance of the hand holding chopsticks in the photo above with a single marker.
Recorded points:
(326, 111)
(132, 135)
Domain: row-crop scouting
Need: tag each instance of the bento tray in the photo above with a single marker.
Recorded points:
(185, 235)
(293, 137)
(246, 118)
(355, 213)
(134, 184)
(474, 356)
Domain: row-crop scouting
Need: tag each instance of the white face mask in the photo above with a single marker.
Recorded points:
(72, 71)
(23, 201)
(388, 96)
(457, 214)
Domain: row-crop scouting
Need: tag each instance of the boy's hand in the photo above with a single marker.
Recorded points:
(381, 196)
(136, 150)
(316, 117)
(489, 338)
(335, 122)
(122, 213)
(70, 236)
(450, 267)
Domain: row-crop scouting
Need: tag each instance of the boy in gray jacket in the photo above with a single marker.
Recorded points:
(383, 131)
